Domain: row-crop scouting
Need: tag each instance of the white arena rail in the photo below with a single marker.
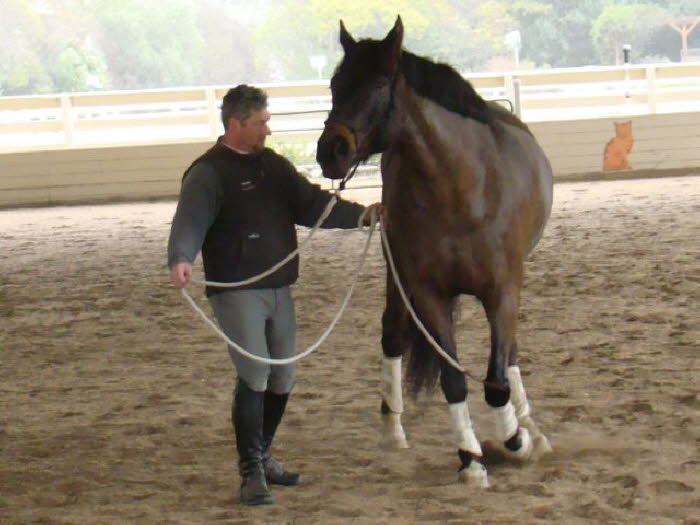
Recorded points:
(122, 145)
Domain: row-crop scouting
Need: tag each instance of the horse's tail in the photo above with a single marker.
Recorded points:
(423, 367)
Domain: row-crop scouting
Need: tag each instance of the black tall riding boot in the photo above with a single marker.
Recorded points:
(247, 415)
(274, 470)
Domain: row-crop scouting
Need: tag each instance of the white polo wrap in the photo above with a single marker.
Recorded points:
(391, 383)
(462, 424)
(517, 392)
(506, 422)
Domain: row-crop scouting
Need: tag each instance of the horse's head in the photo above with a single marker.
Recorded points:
(362, 90)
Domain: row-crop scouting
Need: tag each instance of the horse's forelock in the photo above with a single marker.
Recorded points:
(363, 62)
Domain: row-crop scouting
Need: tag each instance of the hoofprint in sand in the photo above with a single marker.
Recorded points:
(116, 397)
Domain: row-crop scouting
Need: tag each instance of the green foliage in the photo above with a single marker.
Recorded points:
(299, 153)
(618, 25)
(445, 30)
(680, 7)
(227, 56)
(65, 45)
(556, 33)
(278, 44)
(22, 68)
(149, 45)
(73, 69)
(284, 55)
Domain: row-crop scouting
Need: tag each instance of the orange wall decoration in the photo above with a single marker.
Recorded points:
(615, 156)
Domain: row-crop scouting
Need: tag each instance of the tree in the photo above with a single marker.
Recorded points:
(147, 44)
(463, 34)
(129, 44)
(75, 69)
(22, 70)
(557, 32)
(68, 51)
(618, 25)
(474, 33)
(284, 55)
(228, 57)
(680, 7)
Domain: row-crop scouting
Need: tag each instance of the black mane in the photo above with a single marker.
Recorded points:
(435, 81)
(444, 86)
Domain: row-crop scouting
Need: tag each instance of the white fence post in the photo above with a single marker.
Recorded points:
(516, 98)
(213, 109)
(651, 88)
(508, 87)
(68, 120)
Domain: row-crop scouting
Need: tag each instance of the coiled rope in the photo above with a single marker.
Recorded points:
(255, 278)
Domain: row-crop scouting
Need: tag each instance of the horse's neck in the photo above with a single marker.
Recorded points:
(438, 143)
(434, 163)
(434, 129)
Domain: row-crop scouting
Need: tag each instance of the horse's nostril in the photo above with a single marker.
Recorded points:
(340, 147)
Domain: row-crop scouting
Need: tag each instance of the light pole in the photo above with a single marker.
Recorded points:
(318, 62)
(626, 59)
(514, 41)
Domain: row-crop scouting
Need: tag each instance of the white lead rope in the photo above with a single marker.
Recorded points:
(324, 336)
(328, 330)
(410, 309)
(255, 278)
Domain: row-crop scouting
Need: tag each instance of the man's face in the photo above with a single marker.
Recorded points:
(253, 131)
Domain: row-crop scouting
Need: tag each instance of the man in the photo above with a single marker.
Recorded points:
(239, 204)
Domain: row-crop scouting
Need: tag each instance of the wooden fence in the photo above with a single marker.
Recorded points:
(134, 145)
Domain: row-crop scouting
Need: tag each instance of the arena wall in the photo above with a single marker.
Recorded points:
(662, 144)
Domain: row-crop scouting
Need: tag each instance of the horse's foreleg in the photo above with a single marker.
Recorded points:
(393, 435)
(472, 470)
(393, 344)
(437, 317)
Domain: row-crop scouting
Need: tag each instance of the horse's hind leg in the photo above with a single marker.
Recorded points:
(394, 323)
(514, 438)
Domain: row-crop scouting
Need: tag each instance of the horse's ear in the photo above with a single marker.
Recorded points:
(392, 44)
(346, 39)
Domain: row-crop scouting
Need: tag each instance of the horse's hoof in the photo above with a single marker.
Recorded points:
(496, 452)
(540, 443)
(524, 453)
(393, 440)
(393, 443)
(475, 475)
(540, 447)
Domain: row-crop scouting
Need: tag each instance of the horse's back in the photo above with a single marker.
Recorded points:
(525, 172)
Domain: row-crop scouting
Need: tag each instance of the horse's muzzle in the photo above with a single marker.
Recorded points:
(335, 152)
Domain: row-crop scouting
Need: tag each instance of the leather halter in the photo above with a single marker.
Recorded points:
(351, 128)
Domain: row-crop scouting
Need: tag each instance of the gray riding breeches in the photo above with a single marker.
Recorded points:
(263, 323)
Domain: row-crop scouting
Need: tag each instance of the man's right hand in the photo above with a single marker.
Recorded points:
(180, 274)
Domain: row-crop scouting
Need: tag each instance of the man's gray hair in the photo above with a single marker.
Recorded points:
(241, 101)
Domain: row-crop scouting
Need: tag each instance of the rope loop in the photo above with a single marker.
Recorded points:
(255, 278)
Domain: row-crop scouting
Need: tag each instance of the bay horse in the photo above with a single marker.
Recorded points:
(467, 191)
